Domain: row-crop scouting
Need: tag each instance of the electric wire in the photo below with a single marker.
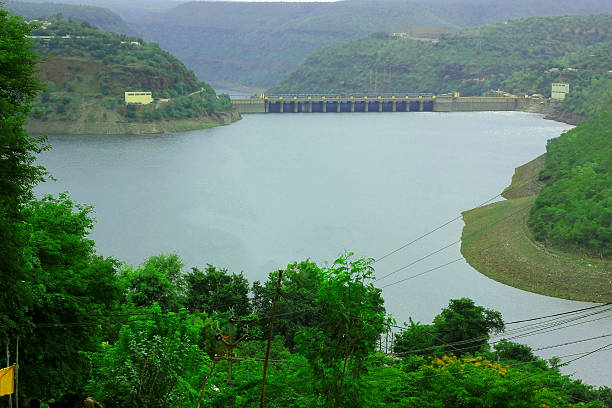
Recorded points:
(553, 327)
(446, 223)
(454, 243)
(430, 232)
(441, 266)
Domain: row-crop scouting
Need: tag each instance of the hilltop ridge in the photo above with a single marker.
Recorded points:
(101, 17)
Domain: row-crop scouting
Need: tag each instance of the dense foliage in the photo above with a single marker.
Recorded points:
(574, 209)
(518, 56)
(98, 16)
(88, 70)
(461, 328)
(155, 362)
(259, 43)
(18, 173)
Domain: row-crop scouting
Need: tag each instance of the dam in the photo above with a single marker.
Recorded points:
(410, 102)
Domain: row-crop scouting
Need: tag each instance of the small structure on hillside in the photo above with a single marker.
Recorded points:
(559, 91)
(138, 98)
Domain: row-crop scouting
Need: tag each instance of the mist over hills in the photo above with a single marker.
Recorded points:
(126, 9)
(101, 17)
(256, 44)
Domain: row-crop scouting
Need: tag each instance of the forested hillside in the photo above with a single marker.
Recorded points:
(257, 44)
(574, 209)
(97, 16)
(87, 71)
(521, 56)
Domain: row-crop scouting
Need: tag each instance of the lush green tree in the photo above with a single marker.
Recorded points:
(507, 350)
(18, 172)
(71, 290)
(157, 280)
(574, 209)
(297, 307)
(351, 318)
(216, 290)
(466, 324)
(418, 339)
(155, 363)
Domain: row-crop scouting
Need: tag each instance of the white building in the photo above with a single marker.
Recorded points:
(559, 91)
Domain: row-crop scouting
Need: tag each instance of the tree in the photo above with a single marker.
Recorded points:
(508, 350)
(463, 321)
(154, 363)
(18, 173)
(157, 280)
(351, 318)
(418, 339)
(69, 292)
(215, 290)
(297, 305)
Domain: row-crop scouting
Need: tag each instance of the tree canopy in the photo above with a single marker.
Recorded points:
(574, 209)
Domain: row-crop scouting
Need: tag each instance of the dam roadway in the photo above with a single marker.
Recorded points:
(332, 103)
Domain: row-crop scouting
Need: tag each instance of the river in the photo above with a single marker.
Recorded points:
(273, 189)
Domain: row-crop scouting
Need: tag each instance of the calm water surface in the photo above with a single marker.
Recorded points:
(273, 189)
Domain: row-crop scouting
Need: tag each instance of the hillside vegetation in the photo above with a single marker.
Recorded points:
(574, 209)
(521, 56)
(87, 71)
(258, 43)
(97, 16)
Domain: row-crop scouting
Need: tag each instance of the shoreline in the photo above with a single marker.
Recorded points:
(78, 127)
(497, 242)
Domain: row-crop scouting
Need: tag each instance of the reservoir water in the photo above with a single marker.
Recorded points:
(274, 189)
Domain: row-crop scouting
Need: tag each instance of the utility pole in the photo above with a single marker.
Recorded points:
(387, 342)
(8, 359)
(265, 369)
(230, 345)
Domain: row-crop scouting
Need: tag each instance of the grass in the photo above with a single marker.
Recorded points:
(497, 242)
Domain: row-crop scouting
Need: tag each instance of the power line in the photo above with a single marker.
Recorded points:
(584, 354)
(418, 260)
(445, 224)
(449, 245)
(587, 354)
(536, 325)
(430, 232)
(558, 314)
(423, 273)
(502, 335)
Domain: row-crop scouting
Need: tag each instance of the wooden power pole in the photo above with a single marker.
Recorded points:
(265, 369)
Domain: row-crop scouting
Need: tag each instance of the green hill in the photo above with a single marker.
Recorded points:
(520, 56)
(574, 209)
(87, 72)
(258, 43)
(97, 16)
